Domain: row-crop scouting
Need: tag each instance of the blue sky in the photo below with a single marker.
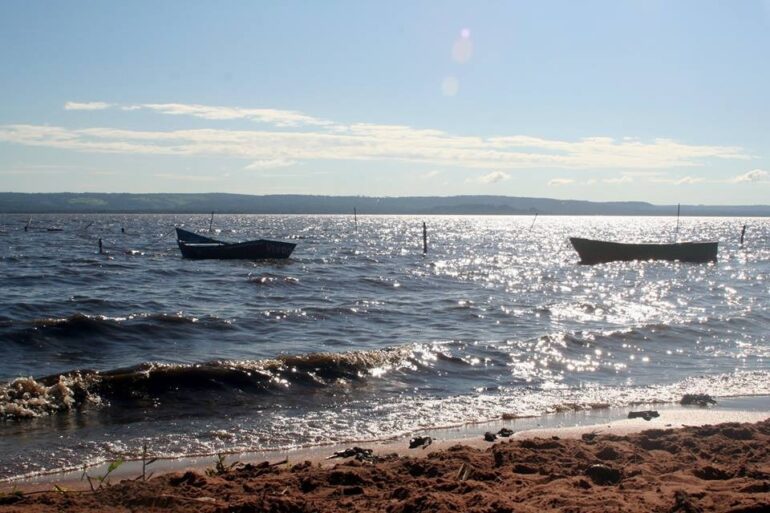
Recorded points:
(661, 101)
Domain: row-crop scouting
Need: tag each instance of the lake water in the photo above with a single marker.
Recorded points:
(357, 336)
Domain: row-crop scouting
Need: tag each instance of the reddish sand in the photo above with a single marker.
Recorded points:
(698, 469)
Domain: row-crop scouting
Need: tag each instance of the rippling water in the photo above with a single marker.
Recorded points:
(358, 336)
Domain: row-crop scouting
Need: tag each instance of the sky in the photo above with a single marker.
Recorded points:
(605, 100)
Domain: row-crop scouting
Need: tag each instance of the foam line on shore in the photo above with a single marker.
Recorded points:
(564, 425)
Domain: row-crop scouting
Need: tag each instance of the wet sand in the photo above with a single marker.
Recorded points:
(602, 467)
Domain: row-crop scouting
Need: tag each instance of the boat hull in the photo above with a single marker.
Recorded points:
(598, 251)
(252, 250)
(200, 247)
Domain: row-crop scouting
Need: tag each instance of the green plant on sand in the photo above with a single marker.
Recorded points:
(103, 480)
(146, 462)
(220, 467)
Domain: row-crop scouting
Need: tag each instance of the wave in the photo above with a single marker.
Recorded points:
(447, 367)
(272, 279)
(358, 422)
(681, 331)
(80, 324)
(29, 397)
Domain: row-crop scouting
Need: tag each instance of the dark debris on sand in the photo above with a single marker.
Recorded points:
(697, 400)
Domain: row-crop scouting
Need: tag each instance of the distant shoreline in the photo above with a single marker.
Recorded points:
(289, 204)
(226, 213)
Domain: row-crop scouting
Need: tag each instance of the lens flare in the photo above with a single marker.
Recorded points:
(450, 86)
(462, 50)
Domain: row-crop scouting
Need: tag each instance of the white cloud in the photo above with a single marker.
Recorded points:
(27, 172)
(282, 118)
(87, 106)
(643, 174)
(755, 175)
(297, 137)
(187, 178)
(685, 180)
(43, 169)
(494, 177)
(270, 164)
(431, 174)
(558, 182)
(618, 180)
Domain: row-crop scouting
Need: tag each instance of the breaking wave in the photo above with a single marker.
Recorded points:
(28, 397)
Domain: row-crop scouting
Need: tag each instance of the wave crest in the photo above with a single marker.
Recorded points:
(28, 397)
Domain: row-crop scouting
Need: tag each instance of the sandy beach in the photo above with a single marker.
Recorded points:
(628, 465)
(428, 256)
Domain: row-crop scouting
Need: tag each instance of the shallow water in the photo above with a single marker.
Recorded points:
(358, 336)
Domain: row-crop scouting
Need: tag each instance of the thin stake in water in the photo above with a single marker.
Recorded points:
(211, 222)
(676, 232)
(424, 238)
(533, 223)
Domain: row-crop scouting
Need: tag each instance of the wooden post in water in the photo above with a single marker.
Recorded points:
(424, 239)
(101, 250)
(676, 233)
(211, 222)
(743, 232)
(355, 218)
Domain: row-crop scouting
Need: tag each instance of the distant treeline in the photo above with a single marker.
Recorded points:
(305, 204)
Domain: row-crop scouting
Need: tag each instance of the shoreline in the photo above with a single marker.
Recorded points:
(168, 203)
(721, 468)
(568, 425)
